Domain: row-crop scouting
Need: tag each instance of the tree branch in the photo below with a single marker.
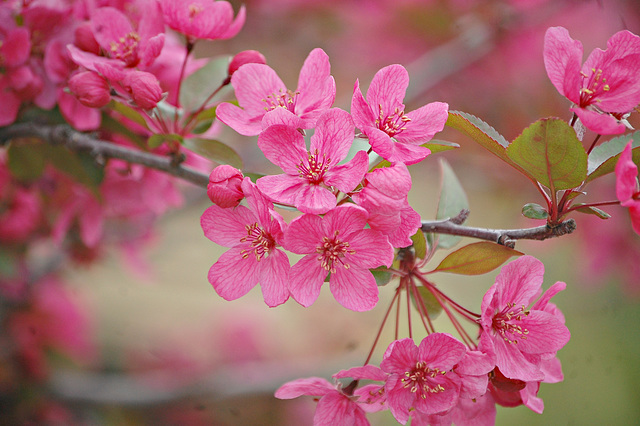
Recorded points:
(62, 134)
(507, 237)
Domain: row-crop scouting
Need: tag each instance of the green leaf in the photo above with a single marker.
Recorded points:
(115, 126)
(129, 112)
(214, 150)
(419, 244)
(382, 275)
(534, 211)
(477, 258)
(549, 152)
(436, 145)
(27, 159)
(594, 211)
(197, 87)
(480, 132)
(158, 139)
(80, 167)
(204, 120)
(452, 201)
(604, 157)
(431, 304)
(253, 176)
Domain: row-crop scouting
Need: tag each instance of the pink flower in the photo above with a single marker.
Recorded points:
(517, 338)
(627, 186)
(334, 407)
(605, 87)
(203, 19)
(312, 177)
(422, 377)
(252, 233)
(225, 186)
(259, 90)
(90, 88)
(337, 243)
(384, 196)
(394, 135)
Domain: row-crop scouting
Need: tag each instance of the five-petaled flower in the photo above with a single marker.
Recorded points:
(203, 19)
(337, 243)
(311, 176)
(605, 88)
(422, 377)
(252, 233)
(627, 186)
(259, 91)
(519, 338)
(394, 135)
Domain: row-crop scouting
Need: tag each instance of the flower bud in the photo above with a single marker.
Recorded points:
(144, 88)
(245, 57)
(91, 89)
(224, 186)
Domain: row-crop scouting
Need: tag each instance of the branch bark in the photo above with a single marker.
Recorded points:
(507, 237)
(62, 134)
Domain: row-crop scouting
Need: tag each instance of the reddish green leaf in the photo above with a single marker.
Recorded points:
(214, 150)
(549, 152)
(480, 132)
(477, 258)
(604, 157)
(382, 275)
(27, 159)
(429, 301)
(534, 211)
(197, 87)
(594, 211)
(419, 244)
(452, 201)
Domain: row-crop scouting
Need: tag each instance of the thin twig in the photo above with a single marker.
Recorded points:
(66, 136)
(506, 237)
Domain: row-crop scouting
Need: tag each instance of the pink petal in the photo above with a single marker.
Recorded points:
(314, 386)
(253, 84)
(441, 401)
(10, 106)
(626, 175)
(305, 234)
(425, 122)
(400, 356)
(408, 154)
(366, 372)
(441, 350)
(541, 304)
(361, 112)
(372, 249)
(315, 199)
(305, 280)
(281, 116)
(387, 89)
(274, 277)
(232, 276)
(546, 333)
(354, 288)
(226, 226)
(109, 25)
(600, 123)
(79, 116)
(410, 222)
(235, 27)
(347, 218)
(562, 59)
(284, 189)
(349, 175)
(284, 146)
(238, 119)
(519, 281)
(513, 364)
(336, 409)
(334, 135)
(316, 86)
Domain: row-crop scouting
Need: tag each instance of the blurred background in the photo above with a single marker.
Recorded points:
(153, 342)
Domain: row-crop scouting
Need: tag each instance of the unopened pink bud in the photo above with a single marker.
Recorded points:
(90, 88)
(144, 88)
(224, 186)
(245, 57)
(84, 39)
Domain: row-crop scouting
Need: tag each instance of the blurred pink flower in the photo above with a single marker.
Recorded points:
(519, 339)
(225, 186)
(337, 243)
(252, 233)
(627, 186)
(312, 177)
(259, 90)
(394, 135)
(605, 87)
(203, 19)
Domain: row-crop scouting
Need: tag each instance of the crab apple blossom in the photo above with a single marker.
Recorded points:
(243, 58)
(627, 186)
(518, 338)
(252, 233)
(337, 243)
(605, 88)
(203, 19)
(259, 90)
(394, 135)
(311, 177)
(144, 89)
(422, 377)
(90, 88)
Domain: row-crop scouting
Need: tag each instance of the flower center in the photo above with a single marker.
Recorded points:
(126, 49)
(281, 99)
(332, 251)
(315, 168)
(505, 323)
(260, 242)
(423, 380)
(392, 124)
(596, 86)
